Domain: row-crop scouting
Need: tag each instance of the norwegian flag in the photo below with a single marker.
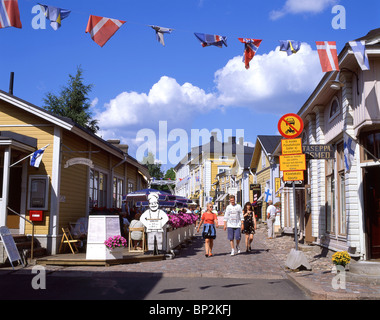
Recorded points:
(328, 55)
(102, 29)
(9, 14)
(211, 40)
(250, 48)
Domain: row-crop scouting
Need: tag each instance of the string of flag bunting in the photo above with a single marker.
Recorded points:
(101, 29)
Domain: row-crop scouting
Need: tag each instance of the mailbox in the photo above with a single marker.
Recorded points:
(35, 215)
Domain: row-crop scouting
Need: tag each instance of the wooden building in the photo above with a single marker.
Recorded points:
(78, 171)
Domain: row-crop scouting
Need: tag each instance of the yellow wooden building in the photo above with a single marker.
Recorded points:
(79, 171)
(266, 169)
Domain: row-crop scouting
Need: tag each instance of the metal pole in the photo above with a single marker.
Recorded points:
(295, 216)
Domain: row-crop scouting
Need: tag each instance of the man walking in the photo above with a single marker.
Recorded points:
(234, 223)
(271, 218)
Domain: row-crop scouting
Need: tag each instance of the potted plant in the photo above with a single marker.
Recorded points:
(341, 258)
(115, 246)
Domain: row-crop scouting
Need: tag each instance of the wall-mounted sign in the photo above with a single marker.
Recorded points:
(290, 125)
(74, 161)
(318, 151)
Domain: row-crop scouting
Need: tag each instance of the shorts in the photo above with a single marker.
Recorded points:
(233, 233)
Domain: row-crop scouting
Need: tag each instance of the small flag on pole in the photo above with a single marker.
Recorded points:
(358, 47)
(328, 55)
(268, 194)
(9, 14)
(349, 146)
(36, 157)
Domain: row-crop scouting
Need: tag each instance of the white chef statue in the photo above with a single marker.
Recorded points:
(154, 219)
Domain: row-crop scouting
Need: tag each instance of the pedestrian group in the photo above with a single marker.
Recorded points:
(237, 221)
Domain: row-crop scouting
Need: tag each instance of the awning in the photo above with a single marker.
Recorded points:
(222, 197)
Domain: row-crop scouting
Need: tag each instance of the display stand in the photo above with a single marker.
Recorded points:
(100, 228)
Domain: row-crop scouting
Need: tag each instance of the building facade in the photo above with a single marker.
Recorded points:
(78, 172)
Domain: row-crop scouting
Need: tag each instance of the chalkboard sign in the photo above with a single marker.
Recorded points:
(10, 245)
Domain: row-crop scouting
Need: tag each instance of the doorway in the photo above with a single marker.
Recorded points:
(14, 199)
(372, 210)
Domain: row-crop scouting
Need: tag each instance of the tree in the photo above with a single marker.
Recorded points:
(153, 167)
(73, 102)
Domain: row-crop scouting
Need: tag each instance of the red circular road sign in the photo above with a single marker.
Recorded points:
(290, 125)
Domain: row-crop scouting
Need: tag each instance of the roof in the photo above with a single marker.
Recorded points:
(269, 143)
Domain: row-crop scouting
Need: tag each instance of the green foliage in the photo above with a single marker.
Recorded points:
(73, 102)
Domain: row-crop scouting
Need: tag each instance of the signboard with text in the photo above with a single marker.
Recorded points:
(291, 146)
(295, 162)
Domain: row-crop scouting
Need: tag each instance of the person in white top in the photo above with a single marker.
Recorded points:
(234, 223)
(271, 217)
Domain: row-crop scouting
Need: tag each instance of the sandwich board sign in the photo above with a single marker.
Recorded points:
(10, 246)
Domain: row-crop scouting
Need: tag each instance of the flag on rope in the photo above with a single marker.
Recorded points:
(250, 48)
(160, 33)
(211, 40)
(328, 55)
(290, 46)
(55, 15)
(9, 14)
(102, 29)
(358, 47)
(349, 147)
(36, 157)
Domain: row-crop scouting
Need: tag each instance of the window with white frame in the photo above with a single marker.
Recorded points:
(330, 196)
(98, 189)
(117, 198)
(334, 108)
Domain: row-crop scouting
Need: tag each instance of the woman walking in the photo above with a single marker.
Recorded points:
(249, 225)
(209, 221)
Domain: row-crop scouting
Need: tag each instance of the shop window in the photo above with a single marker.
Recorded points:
(117, 192)
(98, 189)
(371, 141)
(130, 187)
(38, 192)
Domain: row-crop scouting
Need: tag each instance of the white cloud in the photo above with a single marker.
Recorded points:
(273, 82)
(302, 6)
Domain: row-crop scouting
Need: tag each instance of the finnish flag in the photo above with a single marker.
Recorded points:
(268, 194)
(349, 151)
(36, 157)
(358, 47)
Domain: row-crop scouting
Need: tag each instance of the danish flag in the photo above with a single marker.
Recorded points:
(328, 55)
(102, 29)
(250, 48)
(9, 14)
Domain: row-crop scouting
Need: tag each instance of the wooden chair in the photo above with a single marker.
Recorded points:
(130, 245)
(68, 239)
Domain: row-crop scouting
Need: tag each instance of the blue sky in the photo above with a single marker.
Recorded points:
(138, 82)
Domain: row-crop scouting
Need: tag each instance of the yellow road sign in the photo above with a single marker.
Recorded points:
(294, 162)
(293, 176)
(291, 146)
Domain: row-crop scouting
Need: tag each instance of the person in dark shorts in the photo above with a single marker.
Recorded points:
(209, 221)
(249, 225)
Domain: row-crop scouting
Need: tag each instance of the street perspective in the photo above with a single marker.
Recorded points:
(188, 157)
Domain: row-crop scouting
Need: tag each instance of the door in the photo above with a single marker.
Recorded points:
(14, 200)
(372, 210)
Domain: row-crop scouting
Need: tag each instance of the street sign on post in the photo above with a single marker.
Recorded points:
(290, 125)
(294, 162)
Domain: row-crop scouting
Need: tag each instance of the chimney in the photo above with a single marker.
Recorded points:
(11, 81)
(116, 143)
(214, 136)
(241, 140)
